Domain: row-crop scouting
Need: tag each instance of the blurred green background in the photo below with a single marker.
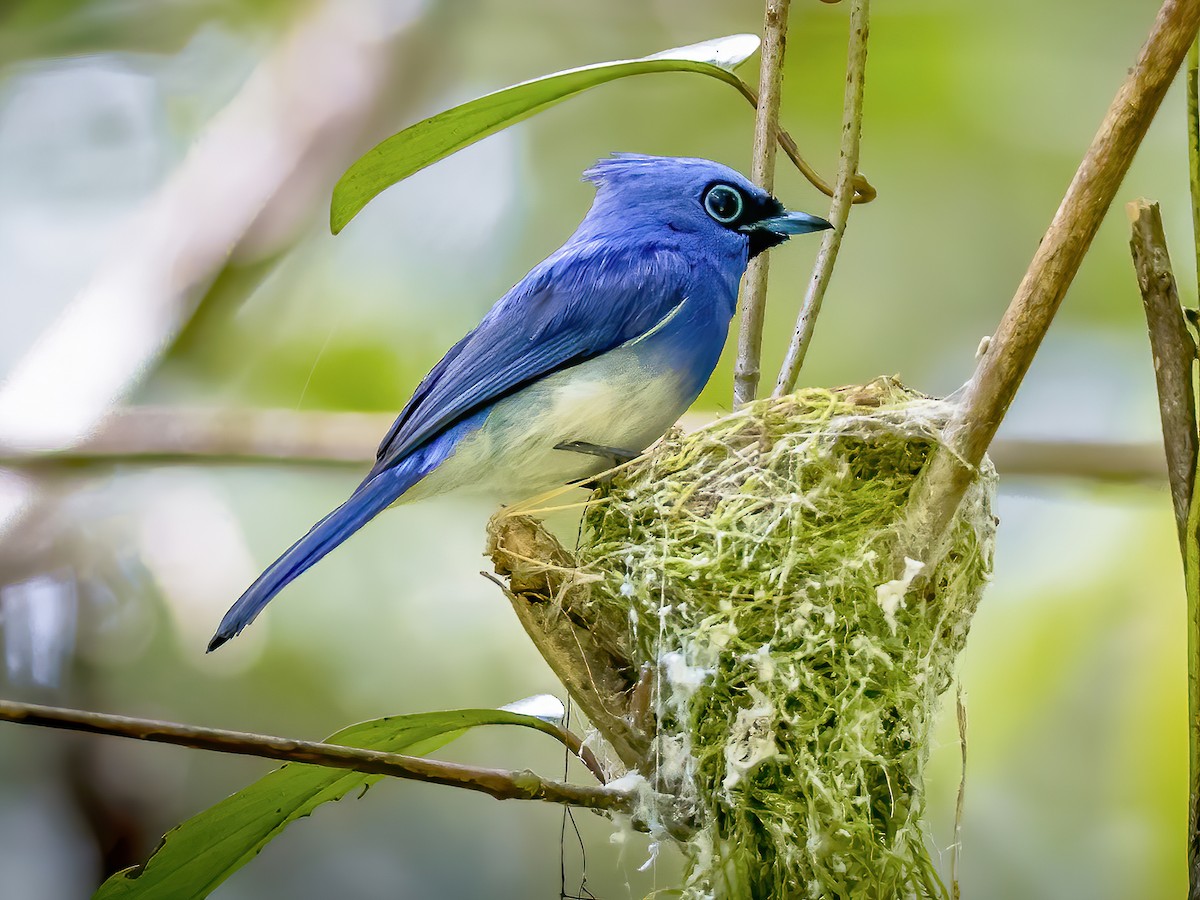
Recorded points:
(976, 117)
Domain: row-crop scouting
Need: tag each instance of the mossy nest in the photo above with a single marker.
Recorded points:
(797, 661)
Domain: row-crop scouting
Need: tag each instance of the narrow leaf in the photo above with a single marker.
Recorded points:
(437, 137)
(197, 855)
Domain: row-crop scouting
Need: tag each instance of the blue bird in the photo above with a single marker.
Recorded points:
(588, 360)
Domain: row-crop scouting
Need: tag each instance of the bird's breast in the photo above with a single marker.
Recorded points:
(615, 400)
(625, 399)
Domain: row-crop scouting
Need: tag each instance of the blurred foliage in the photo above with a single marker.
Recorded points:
(977, 115)
(32, 29)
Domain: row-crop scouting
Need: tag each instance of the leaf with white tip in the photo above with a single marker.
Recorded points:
(546, 707)
(435, 138)
(725, 52)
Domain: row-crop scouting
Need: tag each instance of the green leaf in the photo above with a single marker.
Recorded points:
(437, 137)
(197, 855)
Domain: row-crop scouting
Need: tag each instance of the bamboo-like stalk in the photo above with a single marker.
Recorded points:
(1190, 534)
(843, 198)
(747, 368)
(1191, 571)
(1174, 353)
(498, 783)
(1193, 142)
(990, 392)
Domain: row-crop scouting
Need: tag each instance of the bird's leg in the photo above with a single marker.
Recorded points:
(616, 455)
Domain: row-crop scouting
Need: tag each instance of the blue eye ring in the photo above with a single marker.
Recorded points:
(724, 203)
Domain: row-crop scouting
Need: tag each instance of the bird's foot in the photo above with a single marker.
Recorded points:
(615, 455)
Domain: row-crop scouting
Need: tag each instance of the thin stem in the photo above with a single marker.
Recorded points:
(960, 802)
(498, 783)
(1189, 535)
(936, 496)
(574, 744)
(843, 198)
(1191, 571)
(1193, 139)
(864, 191)
(747, 369)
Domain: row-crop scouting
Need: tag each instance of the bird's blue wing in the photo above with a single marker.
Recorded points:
(581, 302)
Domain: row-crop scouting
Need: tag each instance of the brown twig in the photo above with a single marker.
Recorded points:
(747, 368)
(1174, 352)
(498, 783)
(843, 198)
(551, 602)
(939, 490)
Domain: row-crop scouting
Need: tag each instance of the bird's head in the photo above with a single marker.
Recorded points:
(690, 196)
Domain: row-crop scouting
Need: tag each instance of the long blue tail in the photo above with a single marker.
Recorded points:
(371, 498)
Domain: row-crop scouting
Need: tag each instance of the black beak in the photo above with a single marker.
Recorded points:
(788, 224)
(772, 230)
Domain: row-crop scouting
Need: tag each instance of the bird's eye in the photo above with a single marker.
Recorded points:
(723, 203)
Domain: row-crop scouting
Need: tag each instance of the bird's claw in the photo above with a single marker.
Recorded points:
(615, 455)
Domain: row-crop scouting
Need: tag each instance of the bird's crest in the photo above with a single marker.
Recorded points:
(619, 166)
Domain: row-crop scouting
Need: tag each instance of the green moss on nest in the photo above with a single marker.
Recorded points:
(797, 676)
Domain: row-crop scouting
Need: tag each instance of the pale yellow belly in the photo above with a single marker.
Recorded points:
(612, 401)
